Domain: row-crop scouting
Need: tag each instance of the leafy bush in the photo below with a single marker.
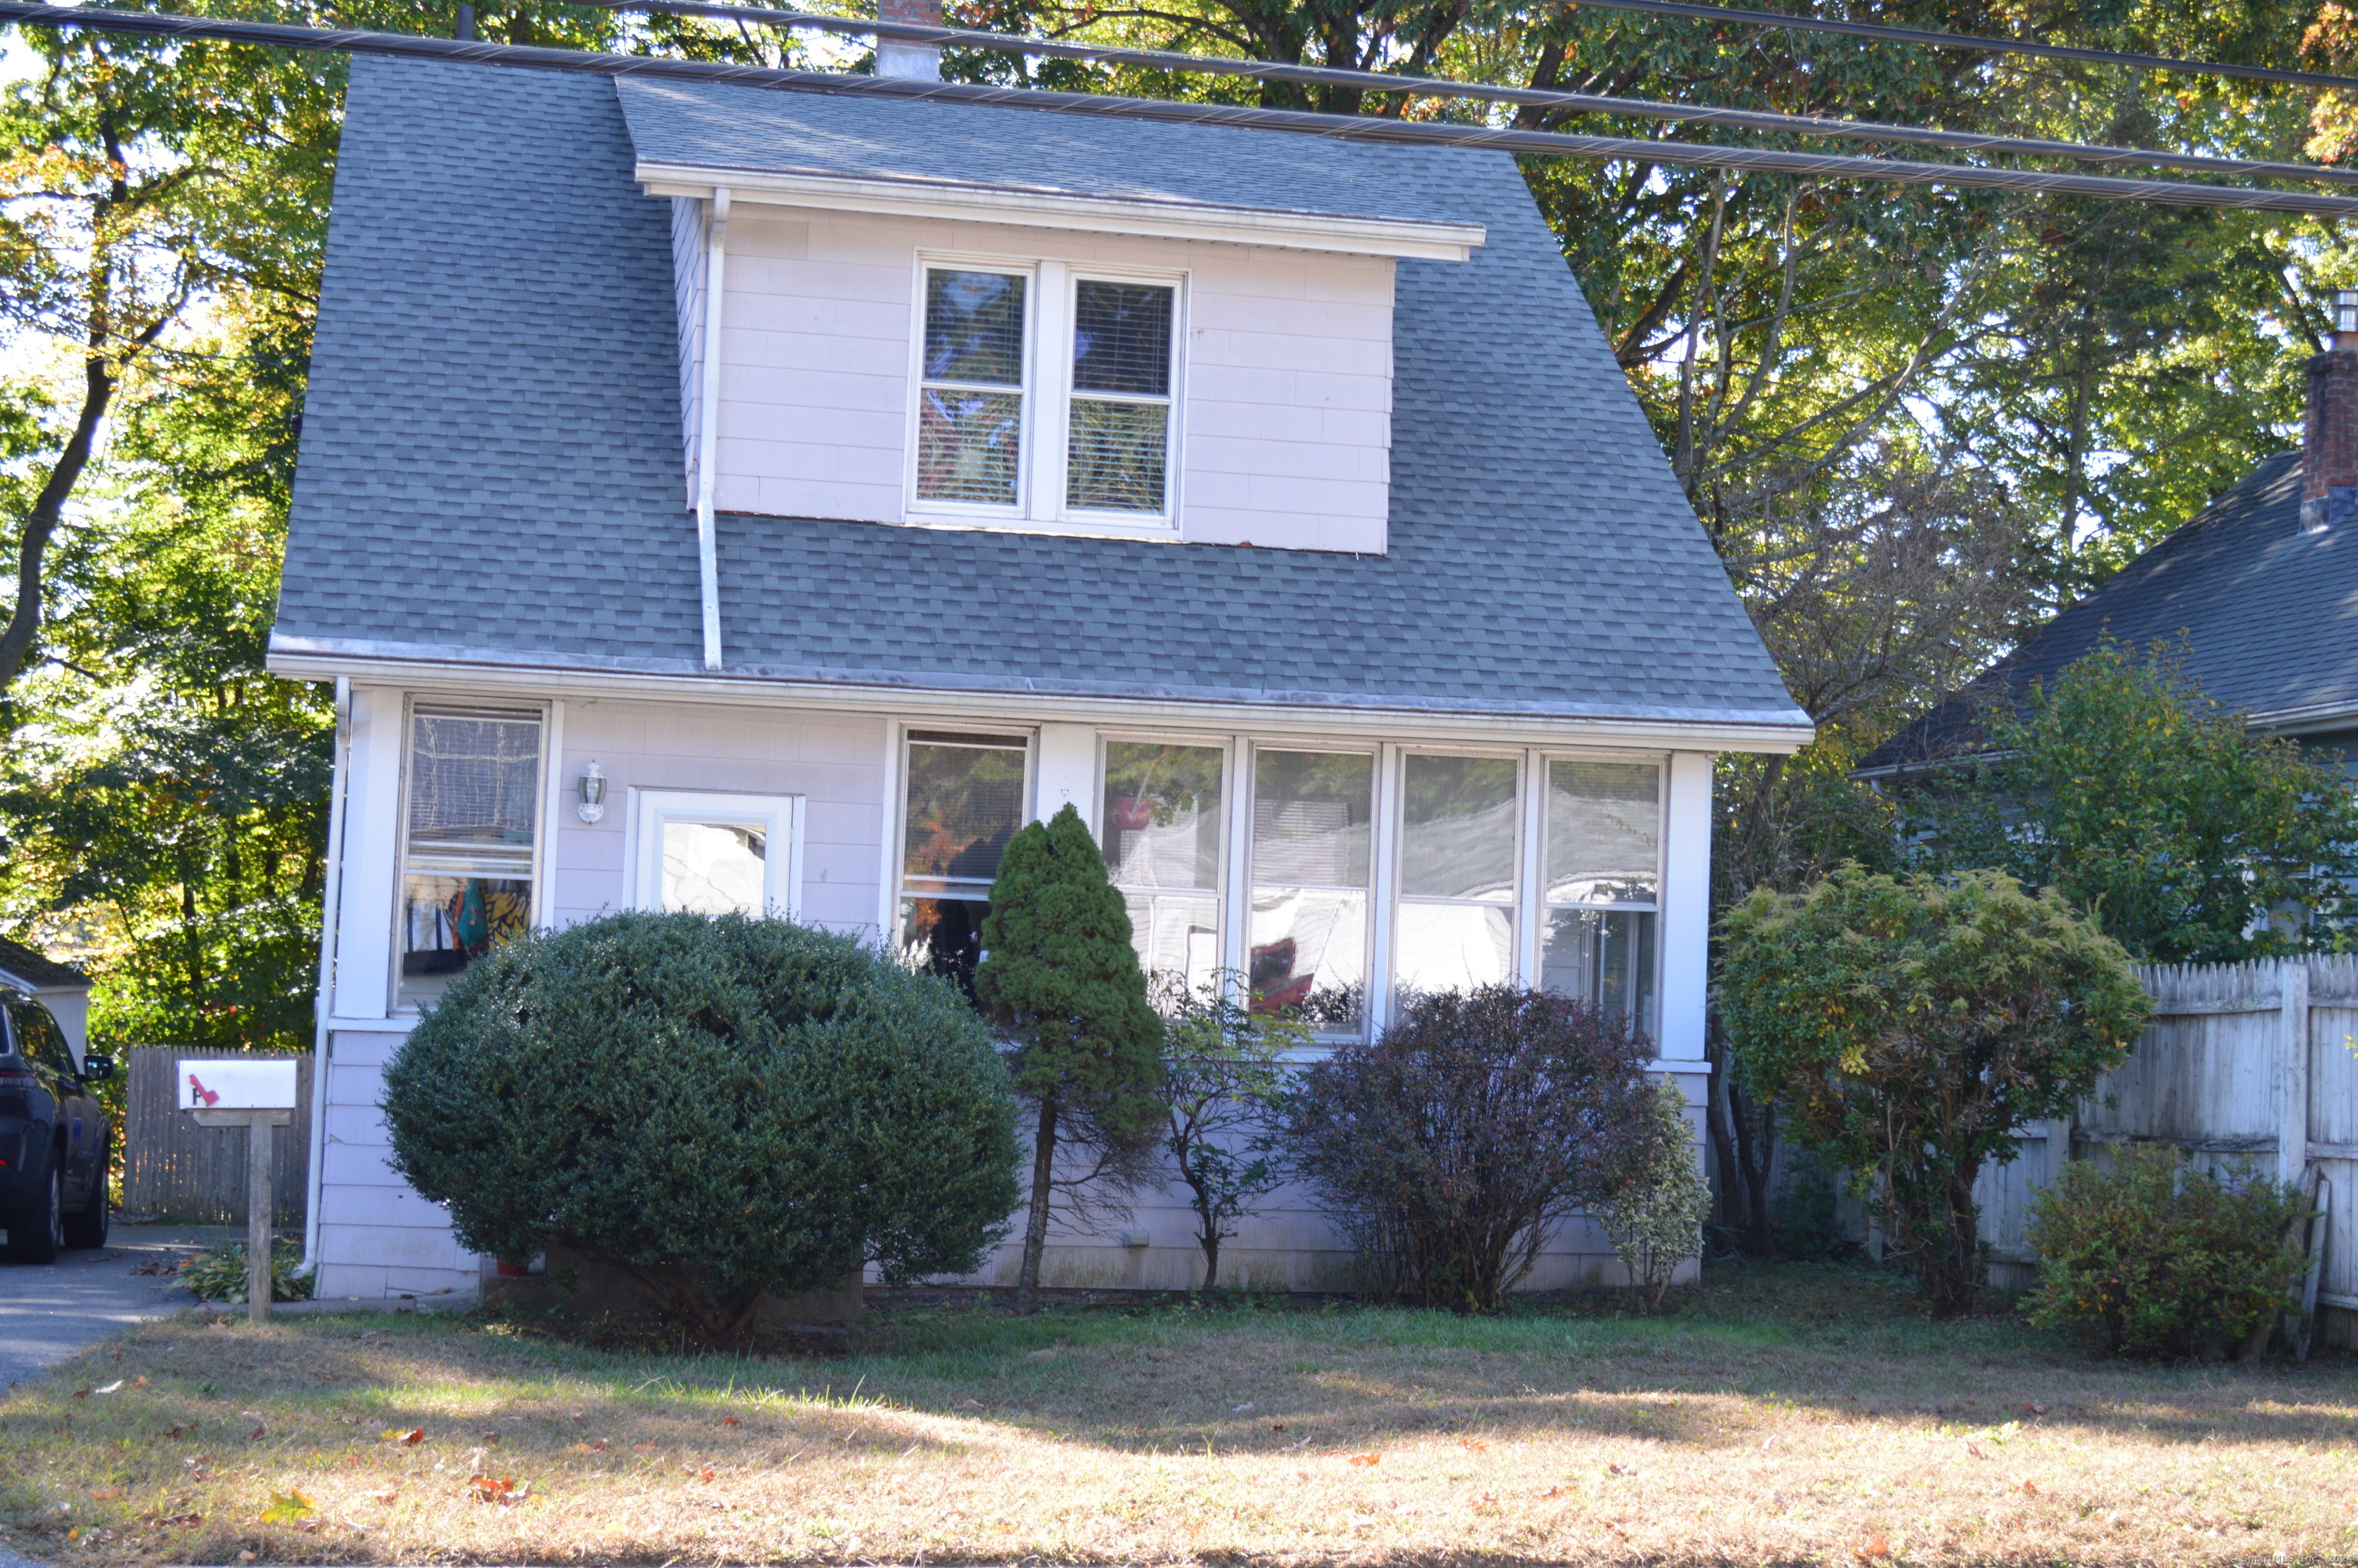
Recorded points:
(720, 1107)
(2160, 1259)
(1906, 1026)
(1452, 1144)
(1223, 1073)
(1655, 1214)
(218, 1273)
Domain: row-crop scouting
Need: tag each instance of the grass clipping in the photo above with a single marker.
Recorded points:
(1797, 1415)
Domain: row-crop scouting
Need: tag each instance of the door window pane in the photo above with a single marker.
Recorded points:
(970, 410)
(1308, 944)
(473, 809)
(1457, 830)
(716, 868)
(1603, 832)
(965, 801)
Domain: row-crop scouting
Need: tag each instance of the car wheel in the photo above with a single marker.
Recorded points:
(37, 1232)
(87, 1225)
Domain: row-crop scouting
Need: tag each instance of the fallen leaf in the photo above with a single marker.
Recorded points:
(395, 1434)
(1975, 1449)
(82, 1393)
(1366, 1458)
(730, 1421)
(286, 1507)
(186, 1521)
(175, 1430)
(597, 1447)
(105, 1494)
(112, 1387)
(578, 1415)
(1876, 1547)
(501, 1490)
(384, 1497)
(704, 1475)
(2034, 1409)
(1277, 1426)
(642, 1447)
(493, 1438)
(1484, 1501)
(1556, 1492)
(1620, 1469)
(245, 1557)
(140, 1384)
(2030, 1488)
(257, 1435)
(1473, 1446)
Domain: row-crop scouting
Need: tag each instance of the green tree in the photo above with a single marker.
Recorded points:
(2188, 838)
(1907, 1026)
(725, 1108)
(1060, 978)
(1654, 1215)
(1223, 1069)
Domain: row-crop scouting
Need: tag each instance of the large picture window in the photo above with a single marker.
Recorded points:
(1161, 828)
(1455, 926)
(1045, 396)
(1603, 884)
(469, 831)
(964, 801)
(1313, 821)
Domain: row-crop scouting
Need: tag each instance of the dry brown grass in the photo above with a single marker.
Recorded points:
(1785, 1416)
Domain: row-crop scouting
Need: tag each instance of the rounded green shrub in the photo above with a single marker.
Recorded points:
(2152, 1257)
(724, 1108)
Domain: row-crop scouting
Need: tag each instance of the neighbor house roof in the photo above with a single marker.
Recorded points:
(2263, 614)
(22, 966)
(490, 462)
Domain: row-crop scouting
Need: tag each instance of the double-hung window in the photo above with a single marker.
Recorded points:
(1162, 830)
(964, 800)
(1603, 884)
(469, 836)
(1046, 395)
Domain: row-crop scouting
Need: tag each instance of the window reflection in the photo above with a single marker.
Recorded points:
(965, 801)
(1161, 826)
(1604, 852)
(473, 807)
(1308, 941)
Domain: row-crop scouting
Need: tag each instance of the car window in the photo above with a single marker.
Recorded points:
(39, 1039)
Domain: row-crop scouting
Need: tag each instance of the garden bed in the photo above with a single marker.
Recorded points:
(1801, 1413)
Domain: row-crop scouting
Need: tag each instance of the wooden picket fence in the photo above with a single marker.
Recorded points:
(189, 1175)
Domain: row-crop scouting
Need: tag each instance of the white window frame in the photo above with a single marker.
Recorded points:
(782, 874)
(410, 703)
(1051, 293)
(1519, 903)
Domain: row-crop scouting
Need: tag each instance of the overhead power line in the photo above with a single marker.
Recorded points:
(1337, 127)
(1974, 42)
(1536, 97)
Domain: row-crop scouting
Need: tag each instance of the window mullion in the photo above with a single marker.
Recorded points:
(1044, 432)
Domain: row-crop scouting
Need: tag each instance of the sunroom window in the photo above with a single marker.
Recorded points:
(1455, 925)
(1313, 814)
(469, 829)
(1603, 884)
(963, 802)
(1161, 832)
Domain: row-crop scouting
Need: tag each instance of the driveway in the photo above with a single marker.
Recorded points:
(49, 1312)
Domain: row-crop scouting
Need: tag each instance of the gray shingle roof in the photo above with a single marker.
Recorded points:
(2265, 615)
(491, 459)
(967, 144)
(37, 972)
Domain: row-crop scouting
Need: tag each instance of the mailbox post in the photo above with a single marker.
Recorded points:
(256, 1093)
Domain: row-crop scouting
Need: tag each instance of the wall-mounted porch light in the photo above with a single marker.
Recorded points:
(593, 792)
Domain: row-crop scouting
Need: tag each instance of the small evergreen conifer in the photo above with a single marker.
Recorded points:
(1060, 978)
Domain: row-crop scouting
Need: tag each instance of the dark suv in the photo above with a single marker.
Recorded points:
(55, 1138)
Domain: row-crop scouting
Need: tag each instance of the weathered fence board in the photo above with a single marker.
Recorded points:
(195, 1175)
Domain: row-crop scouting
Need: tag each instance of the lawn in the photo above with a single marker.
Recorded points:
(1801, 1414)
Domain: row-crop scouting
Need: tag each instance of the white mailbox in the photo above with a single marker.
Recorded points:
(237, 1083)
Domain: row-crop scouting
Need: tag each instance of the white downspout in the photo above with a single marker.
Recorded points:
(708, 423)
(330, 919)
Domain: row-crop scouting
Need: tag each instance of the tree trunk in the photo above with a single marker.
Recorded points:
(1758, 1154)
(1035, 1228)
(1211, 1239)
(49, 507)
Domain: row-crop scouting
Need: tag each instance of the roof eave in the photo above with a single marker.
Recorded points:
(1339, 232)
(940, 694)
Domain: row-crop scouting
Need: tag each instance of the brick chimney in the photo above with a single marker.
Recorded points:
(923, 62)
(2329, 448)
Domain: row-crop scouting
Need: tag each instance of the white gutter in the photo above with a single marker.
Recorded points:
(324, 1003)
(708, 423)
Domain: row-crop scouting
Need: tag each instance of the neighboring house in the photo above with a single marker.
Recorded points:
(2259, 594)
(62, 991)
(1275, 502)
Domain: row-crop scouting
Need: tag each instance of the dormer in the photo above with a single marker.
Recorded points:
(948, 316)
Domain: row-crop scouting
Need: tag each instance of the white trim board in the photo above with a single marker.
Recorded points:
(1424, 239)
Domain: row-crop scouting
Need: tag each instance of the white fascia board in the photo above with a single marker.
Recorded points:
(1651, 733)
(1041, 209)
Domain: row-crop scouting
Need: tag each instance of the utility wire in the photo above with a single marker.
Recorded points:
(1537, 97)
(1337, 127)
(1925, 36)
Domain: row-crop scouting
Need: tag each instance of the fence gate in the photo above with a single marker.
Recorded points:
(189, 1175)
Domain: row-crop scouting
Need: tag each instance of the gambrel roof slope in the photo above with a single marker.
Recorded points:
(490, 465)
(2264, 614)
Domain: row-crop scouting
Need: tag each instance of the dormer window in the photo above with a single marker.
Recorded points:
(1047, 396)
